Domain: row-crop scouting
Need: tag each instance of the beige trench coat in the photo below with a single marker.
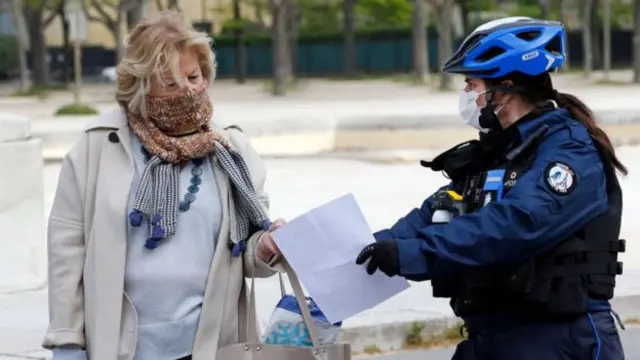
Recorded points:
(87, 250)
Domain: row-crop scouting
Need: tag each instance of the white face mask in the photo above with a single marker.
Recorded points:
(469, 110)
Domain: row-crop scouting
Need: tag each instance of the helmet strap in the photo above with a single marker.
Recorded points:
(488, 118)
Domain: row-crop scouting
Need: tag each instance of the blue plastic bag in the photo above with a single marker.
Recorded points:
(286, 326)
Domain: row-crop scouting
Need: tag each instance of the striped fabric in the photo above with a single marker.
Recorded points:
(158, 198)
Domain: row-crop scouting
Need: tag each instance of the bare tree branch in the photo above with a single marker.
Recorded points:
(171, 5)
(103, 17)
(53, 14)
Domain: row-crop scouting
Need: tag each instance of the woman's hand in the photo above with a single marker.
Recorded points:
(267, 248)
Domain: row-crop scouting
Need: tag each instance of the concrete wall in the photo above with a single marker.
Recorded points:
(22, 224)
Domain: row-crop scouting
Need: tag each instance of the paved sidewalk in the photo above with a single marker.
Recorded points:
(385, 192)
(320, 108)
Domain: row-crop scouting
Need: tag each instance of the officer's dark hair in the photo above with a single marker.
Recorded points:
(538, 90)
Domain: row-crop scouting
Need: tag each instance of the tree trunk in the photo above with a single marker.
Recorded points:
(280, 47)
(606, 38)
(464, 12)
(444, 13)
(419, 37)
(258, 12)
(116, 32)
(349, 33)
(20, 26)
(587, 47)
(35, 27)
(174, 5)
(545, 8)
(596, 41)
(636, 41)
(67, 50)
(134, 15)
(241, 68)
(293, 18)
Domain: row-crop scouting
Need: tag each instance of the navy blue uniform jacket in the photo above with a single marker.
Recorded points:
(530, 219)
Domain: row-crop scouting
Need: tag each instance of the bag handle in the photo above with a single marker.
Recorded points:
(251, 333)
(302, 302)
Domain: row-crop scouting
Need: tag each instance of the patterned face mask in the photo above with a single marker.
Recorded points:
(181, 114)
(177, 128)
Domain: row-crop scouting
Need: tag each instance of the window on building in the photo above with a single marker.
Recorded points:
(6, 23)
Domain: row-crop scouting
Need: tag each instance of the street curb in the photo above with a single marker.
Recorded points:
(391, 337)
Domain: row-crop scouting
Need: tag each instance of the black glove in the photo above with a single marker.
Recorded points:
(382, 255)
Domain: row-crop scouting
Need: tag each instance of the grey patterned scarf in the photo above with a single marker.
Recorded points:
(158, 199)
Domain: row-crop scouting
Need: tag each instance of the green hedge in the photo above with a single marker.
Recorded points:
(8, 54)
(383, 34)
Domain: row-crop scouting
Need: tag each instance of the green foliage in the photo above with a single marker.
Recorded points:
(319, 17)
(381, 14)
(479, 5)
(314, 38)
(233, 24)
(534, 11)
(414, 334)
(449, 336)
(76, 109)
(372, 349)
(454, 332)
(621, 14)
(8, 55)
(43, 4)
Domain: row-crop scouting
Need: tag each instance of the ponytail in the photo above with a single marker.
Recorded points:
(582, 113)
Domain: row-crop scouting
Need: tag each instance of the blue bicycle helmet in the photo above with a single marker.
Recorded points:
(513, 44)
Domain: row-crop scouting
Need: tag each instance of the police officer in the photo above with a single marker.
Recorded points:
(524, 239)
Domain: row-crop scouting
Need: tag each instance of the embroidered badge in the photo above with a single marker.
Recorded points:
(560, 178)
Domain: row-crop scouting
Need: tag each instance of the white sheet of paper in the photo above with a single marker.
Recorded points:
(321, 246)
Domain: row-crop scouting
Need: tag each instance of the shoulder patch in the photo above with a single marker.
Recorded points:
(560, 178)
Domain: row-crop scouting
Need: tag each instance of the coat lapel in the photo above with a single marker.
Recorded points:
(214, 303)
(110, 234)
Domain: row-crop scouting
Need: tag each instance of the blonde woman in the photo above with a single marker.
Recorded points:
(158, 216)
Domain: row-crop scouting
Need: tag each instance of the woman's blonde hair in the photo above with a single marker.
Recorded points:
(153, 48)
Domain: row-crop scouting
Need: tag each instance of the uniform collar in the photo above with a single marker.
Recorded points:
(546, 115)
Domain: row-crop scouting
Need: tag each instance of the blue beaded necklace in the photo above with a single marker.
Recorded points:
(196, 180)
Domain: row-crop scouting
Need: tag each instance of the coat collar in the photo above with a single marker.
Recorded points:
(113, 120)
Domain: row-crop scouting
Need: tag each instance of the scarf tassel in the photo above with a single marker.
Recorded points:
(135, 218)
(157, 231)
(237, 248)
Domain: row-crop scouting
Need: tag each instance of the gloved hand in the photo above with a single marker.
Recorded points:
(382, 255)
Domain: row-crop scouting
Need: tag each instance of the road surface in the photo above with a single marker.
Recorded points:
(630, 340)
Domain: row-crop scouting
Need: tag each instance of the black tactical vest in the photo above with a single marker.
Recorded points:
(559, 282)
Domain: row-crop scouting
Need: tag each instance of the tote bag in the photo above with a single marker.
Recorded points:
(253, 349)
